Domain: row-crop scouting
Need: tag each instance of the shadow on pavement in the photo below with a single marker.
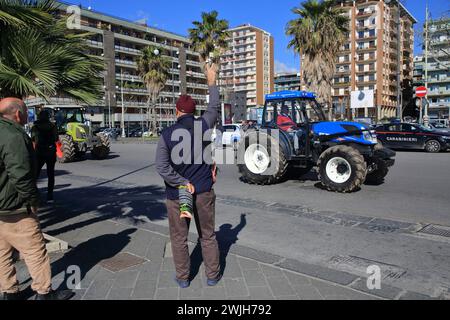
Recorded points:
(227, 236)
(90, 253)
(100, 203)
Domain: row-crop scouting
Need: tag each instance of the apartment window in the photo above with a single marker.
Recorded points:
(372, 77)
(346, 79)
(372, 55)
(360, 67)
(360, 78)
(372, 44)
(360, 23)
(360, 34)
(371, 87)
(360, 45)
(361, 57)
(372, 33)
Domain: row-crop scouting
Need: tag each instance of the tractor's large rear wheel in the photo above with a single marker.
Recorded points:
(342, 169)
(65, 149)
(261, 160)
(101, 151)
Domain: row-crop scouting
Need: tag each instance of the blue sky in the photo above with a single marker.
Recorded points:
(270, 15)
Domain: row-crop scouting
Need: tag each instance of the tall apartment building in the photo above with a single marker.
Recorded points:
(438, 81)
(248, 64)
(119, 42)
(371, 58)
(287, 81)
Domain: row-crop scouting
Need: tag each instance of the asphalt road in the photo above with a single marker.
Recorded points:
(376, 225)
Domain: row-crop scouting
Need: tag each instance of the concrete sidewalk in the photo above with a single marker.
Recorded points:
(121, 261)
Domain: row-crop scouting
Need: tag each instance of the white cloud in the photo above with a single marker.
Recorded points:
(281, 67)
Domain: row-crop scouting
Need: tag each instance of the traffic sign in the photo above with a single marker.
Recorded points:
(421, 92)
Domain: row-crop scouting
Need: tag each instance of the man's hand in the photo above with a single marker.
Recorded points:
(34, 210)
(211, 73)
(190, 188)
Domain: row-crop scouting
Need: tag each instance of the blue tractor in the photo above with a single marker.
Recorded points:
(295, 137)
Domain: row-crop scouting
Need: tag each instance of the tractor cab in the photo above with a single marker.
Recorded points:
(293, 113)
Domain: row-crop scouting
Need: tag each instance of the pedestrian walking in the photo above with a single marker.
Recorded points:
(198, 177)
(44, 135)
(19, 201)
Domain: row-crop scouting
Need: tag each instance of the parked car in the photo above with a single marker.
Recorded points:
(230, 136)
(440, 127)
(412, 136)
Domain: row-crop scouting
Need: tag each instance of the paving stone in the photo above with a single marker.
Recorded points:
(386, 291)
(415, 296)
(260, 293)
(78, 294)
(167, 294)
(235, 287)
(280, 286)
(155, 250)
(248, 264)
(168, 265)
(166, 280)
(104, 274)
(335, 292)
(308, 292)
(98, 290)
(214, 293)
(190, 292)
(117, 293)
(271, 271)
(126, 279)
(232, 268)
(144, 290)
(293, 297)
(254, 278)
(150, 270)
(297, 280)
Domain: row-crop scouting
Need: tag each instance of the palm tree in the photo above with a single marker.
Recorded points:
(153, 68)
(209, 37)
(40, 57)
(318, 32)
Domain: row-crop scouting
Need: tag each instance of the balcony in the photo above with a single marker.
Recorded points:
(366, 13)
(128, 50)
(341, 84)
(95, 44)
(369, 48)
(440, 92)
(370, 70)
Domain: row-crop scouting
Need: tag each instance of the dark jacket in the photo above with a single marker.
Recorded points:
(194, 168)
(45, 135)
(18, 188)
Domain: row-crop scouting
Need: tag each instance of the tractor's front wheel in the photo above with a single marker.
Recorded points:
(261, 160)
(101, 151)
(65, 149)
(377, 175)
(342, 169)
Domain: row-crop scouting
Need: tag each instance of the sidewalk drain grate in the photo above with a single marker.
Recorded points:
(121, 262)
(436, 230)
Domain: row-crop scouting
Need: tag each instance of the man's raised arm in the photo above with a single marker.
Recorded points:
(211, 114)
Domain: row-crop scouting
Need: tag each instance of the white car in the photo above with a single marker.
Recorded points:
(229, 137)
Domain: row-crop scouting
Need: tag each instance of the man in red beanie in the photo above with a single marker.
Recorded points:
(197, 176)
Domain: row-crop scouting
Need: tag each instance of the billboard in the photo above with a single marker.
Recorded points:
(362, 99)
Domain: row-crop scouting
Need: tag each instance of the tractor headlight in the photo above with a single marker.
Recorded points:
(370, 136)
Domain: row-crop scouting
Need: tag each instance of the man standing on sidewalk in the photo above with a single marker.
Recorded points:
(19, 201)
(197, 176)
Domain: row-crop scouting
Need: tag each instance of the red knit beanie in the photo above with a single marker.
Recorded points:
(186, 104)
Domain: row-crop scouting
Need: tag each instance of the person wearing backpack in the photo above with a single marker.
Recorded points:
(44, 135)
